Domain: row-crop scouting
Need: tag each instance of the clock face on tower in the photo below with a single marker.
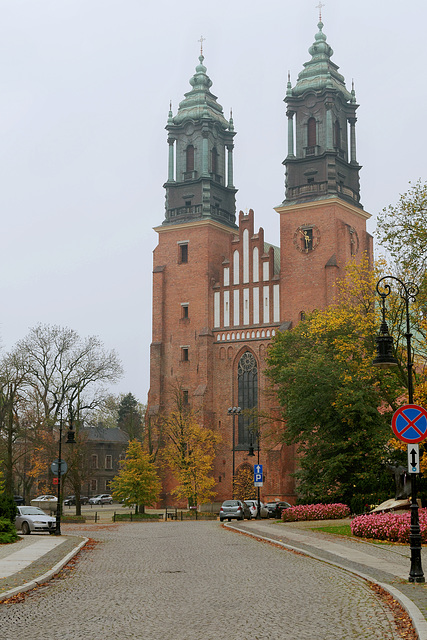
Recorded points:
(306, 238)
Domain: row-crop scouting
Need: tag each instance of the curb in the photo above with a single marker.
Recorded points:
(418, 620)
(46, 576)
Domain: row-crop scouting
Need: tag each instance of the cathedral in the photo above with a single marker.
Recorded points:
(221, 291)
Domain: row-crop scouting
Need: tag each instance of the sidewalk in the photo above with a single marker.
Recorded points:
(33, 560)
(385, 564)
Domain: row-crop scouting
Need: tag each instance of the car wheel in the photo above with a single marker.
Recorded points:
(111, 502)
(229, 519)
(221, 519)
(26, 529)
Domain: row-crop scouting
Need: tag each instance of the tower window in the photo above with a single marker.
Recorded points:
(184, 311)
(214, 161)
(185, 397)
(183, 252)
(311, 132)
(337, 135)
(189, 158)
(184, 354)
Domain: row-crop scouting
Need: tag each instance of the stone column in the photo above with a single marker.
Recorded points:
(290, 115)
(352, 122)
(230, 177)
(329, 136)
(171, 173)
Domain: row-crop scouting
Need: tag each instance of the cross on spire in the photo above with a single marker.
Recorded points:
(320, 6)
(202, 39)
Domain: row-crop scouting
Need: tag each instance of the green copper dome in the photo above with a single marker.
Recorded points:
(320, 72)
(200, 102)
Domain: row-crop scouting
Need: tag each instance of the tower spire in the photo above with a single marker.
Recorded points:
(320, 7)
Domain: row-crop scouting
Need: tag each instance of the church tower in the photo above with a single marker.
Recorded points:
(194, 238)
(200, 182)
(323, 224)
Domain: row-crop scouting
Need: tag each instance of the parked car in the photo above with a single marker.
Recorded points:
(275, 508)
(46, 502)
(234, 509)
(19, 500)
(34, 519)
(253, 506)
(102, 498)
(70, 500)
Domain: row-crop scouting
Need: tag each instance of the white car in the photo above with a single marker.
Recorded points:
(253, 506)
(34, 519)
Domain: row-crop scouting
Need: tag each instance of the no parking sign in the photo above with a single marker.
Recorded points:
(409, 423)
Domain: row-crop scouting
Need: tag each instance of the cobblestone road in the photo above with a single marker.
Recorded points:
(194, 581)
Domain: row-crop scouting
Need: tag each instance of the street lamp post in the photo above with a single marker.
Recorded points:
(233, 411)
(70, 440)
(251, 453)
(384, 359)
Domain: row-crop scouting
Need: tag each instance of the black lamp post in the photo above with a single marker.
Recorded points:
(384, 359)
(70, 440)
(234, 411)
(251, 453)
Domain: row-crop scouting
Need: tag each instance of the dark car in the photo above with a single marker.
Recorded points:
(70, 500)
(234, 509)
(275, 508)
(19, 500)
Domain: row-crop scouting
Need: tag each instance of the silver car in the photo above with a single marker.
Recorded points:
(234, 509)
(253, 506)
(34, 519)
(102, 498)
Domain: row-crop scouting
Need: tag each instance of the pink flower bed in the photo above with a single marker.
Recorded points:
(315, 512)
(393, 526)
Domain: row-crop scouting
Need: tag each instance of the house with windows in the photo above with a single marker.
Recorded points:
(221, 291)
(105, 448)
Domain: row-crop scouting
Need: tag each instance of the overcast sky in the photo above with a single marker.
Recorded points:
(84, 96)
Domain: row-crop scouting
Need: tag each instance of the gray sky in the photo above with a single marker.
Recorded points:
(85, 88)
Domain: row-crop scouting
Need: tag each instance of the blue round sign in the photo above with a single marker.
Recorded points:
(409, 423)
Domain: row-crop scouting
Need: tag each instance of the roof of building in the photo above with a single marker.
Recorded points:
(105, 434)
(320, 72)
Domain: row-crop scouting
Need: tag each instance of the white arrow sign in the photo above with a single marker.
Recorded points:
(413, 458)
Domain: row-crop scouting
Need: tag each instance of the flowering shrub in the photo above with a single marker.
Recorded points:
(393, 526)
(315, 512)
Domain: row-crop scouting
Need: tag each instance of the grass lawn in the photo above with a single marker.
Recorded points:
(337, 529)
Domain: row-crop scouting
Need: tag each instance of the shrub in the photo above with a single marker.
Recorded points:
(315, 512)
(392, 526)
(7, 531)
(7, 507)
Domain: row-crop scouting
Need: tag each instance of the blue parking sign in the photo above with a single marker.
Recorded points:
(258, 475)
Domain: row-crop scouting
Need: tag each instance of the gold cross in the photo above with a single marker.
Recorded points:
(202, 39)
(320, 6)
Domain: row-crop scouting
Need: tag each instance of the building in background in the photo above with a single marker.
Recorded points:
(220, 290)
(104, 448)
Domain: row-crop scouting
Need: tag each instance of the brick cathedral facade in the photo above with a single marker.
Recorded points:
(220, 290)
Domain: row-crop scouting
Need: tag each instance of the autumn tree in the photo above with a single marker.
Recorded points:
(189, 452)
(64, 380)
(402, 230)
(243, 484)
(137, 481)
(331, 395)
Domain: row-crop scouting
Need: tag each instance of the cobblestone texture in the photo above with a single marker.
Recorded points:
(193, 581)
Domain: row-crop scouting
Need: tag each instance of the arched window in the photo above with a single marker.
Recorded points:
(337, 135)
(190, 158)
(214, 161)
(311, 132)
(247, 382)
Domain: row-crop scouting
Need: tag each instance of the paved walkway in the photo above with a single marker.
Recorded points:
(217, 582)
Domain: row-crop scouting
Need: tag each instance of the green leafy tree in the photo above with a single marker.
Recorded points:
(131, 416)
(331, 395)
(137, 482)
